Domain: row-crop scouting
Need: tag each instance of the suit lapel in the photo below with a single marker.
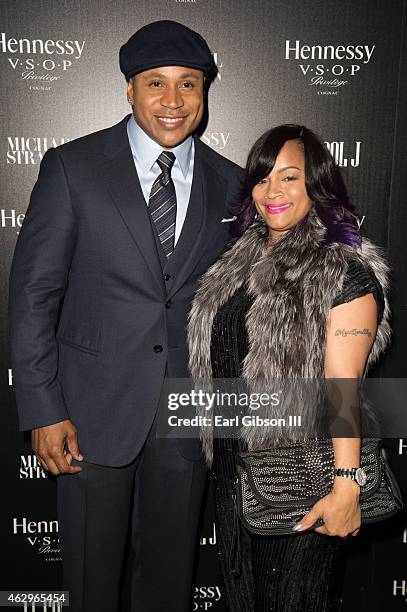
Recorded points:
(120, 177)
(205, 211)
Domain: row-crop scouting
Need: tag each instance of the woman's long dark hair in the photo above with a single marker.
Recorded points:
(323, 181)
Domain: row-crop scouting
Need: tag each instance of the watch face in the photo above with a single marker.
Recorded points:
(360, 476)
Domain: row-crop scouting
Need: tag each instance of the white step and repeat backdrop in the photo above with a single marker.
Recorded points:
(336, 67)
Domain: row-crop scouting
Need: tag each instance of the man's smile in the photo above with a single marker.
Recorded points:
(170, 122)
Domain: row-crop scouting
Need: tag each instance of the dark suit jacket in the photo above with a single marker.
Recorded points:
(97, 315)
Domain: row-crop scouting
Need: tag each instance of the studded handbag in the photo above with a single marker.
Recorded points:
(276, 487)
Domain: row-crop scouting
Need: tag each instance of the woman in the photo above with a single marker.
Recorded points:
(299, 294)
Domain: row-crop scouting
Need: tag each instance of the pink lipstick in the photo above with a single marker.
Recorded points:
(275, 210)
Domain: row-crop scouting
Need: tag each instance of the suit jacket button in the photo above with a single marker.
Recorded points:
(157, 348)
(168, 304)
(167, 277)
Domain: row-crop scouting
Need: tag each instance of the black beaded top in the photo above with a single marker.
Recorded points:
(229, 342)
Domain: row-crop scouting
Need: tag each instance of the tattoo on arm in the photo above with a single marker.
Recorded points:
(353, 332)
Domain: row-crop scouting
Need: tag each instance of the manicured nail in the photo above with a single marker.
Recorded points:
(297, 527)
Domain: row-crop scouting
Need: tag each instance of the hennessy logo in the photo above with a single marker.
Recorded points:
(43, 47)
(11, 218)
(399, 587)
(209, 594)
(41, 536)
(23, 526)
(328, 52)
(347, 62)
(57, 57)
(217, 140)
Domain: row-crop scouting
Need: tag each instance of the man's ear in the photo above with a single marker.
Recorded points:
(130, 91)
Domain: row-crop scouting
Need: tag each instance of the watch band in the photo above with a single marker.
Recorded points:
(358, 475)
(346, 472)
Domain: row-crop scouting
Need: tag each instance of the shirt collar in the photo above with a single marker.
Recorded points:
(145, 150)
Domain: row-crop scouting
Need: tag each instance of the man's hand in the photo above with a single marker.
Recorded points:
(49, 444)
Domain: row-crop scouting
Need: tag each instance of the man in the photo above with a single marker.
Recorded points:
(120, 226)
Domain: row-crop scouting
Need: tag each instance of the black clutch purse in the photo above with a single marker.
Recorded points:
(276, 487)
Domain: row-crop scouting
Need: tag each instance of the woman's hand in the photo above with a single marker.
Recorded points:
(339, 510)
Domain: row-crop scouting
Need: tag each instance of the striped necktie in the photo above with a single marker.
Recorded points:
(163, 203)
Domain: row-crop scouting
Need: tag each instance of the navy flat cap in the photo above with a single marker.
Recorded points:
(165, 43)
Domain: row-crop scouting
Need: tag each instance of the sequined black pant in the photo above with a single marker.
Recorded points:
(298, 573)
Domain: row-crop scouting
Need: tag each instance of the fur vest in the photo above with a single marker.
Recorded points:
(293, 286)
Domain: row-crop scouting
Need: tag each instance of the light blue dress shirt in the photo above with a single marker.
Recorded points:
(145, 153)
